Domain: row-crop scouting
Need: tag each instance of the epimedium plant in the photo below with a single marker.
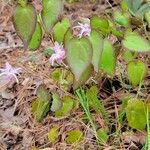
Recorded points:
(91, 46)
(87, 46)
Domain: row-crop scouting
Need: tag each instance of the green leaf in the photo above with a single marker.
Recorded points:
(63, 76)
(84, 77)
(68, 36)
(133, 5)
(136, 72)
(60, 30)
(122, 110)
(74, 137)
(56, 74)
(124, 6)
(34, 106)
(121, 19)
(53, 134)
(56, 103)
(48, 52)
(24, 20)
(41, 106)
(143, 9)
(135, 42)
(51, 12)
(36, 38)
(128, 56)
(95, 103)
(102, 135)
(108, 59)
(79, 57)
(100, 24)
(97, 44)
(67, 106)
(22, 2)
(147, 17)
(136, 114)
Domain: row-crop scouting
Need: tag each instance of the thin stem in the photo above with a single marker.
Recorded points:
(148, 130)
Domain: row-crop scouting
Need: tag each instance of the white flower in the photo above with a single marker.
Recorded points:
(9, 73)
(59, 54)
(85, 29)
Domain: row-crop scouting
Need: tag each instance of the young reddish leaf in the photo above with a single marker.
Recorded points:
(136, 72)
(36, 38)
(108, 59)
(60, 30)
(24, 20)
(97, 44)
(79, 57)
(51, 12)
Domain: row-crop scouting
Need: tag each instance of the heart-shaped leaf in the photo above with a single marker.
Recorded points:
(53, 134)
(135, 42)
(136, 72)
(36, 38)
(79, 57)
(24, 20)
(60, 29)
(136, 114)
(74, 137)
(51, 12)
(67, 106)
(97, 44)
(41, 105)
(108, 58)
(120, 18)
(100, 24)
(128, 55)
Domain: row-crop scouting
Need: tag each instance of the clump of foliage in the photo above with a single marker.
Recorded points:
(90, 49)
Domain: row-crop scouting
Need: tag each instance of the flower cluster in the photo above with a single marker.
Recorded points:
(9, 73)
(85, 29)
(59, 54)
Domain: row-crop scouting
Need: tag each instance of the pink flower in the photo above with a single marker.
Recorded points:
(9, 73)
(85, 29)
(59, 54)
